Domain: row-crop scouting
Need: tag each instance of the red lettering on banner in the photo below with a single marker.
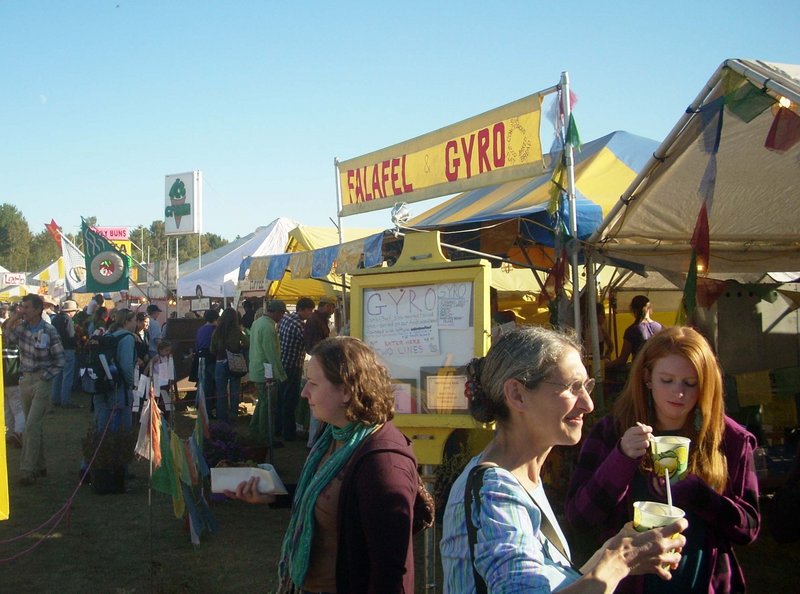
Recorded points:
(483, 147)
(359, 187)
(407, 187)
(367, 195)
(112, 233)
(385, 167)
(376, 182)
(451, 164)
(493, 141)
(372, 182)
(499, 150)
(467, 151)
(350, 184)
(395, 177)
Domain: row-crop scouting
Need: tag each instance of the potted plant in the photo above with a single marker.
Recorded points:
(109, 458)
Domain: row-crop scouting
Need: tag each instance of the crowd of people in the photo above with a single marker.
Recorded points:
(46, 346)
(357, 502)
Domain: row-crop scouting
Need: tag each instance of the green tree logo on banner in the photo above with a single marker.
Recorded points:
(178, 207)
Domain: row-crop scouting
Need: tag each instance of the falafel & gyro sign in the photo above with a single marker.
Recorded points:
(494, 147)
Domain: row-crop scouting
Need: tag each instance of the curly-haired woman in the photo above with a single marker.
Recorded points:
(353, 508)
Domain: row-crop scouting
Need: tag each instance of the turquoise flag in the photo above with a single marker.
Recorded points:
(106, 267)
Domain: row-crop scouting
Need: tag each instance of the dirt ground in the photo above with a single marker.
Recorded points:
(132, 542)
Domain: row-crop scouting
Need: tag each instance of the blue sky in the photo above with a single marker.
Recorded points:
(99, 100)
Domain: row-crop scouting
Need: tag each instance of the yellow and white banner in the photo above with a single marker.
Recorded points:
(494, 147)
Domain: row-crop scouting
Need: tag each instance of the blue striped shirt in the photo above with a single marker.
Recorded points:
(40, 348)
(511, 554)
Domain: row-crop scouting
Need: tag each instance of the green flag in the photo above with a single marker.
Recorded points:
(573, 137)
(106, 267)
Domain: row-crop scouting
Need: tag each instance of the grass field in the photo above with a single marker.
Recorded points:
(133, 543)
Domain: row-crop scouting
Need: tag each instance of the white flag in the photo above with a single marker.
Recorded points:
(74, 266)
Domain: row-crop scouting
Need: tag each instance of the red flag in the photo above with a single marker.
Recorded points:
(54, 230)
(785, 131)
(708, 291)
(554, 283)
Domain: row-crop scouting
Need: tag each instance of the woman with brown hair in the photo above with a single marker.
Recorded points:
(353, 508)
(228, 336)
(675, 388)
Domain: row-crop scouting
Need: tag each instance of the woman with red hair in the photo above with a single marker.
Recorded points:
(674, 388)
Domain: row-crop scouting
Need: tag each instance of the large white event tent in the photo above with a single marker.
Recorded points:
(219, 278)
(753, 220)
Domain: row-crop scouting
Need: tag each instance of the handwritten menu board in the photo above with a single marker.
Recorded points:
(406, 321)
(422, 328)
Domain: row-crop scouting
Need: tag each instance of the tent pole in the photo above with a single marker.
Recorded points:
(177, 274)
(591, 315)
(764, 81)
(345, 317)
(573, 209)
(166, 278)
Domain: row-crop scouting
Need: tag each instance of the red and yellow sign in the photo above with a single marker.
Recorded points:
(491, 148)
(119, 237)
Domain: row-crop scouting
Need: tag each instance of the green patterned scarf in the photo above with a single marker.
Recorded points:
(296, 549)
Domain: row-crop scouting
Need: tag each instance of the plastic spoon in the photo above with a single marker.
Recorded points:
(669, 490)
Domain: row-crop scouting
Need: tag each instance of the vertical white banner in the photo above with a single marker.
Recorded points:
(183, 203)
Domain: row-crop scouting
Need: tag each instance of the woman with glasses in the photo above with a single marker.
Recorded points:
(500, 533)
(675, 388)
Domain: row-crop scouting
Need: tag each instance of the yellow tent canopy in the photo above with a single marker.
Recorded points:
(302, 239)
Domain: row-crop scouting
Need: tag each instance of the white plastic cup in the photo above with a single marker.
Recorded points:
(650, 514)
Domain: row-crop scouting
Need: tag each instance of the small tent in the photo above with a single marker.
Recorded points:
(219, 277)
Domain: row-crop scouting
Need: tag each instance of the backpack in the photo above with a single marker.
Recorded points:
(101, 376)
(60, 322)
(11, 366)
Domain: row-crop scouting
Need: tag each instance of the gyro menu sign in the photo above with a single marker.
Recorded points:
(494, 147)
(405, 321)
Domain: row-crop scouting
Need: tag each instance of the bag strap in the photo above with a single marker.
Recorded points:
(550, 533)
(473, 491)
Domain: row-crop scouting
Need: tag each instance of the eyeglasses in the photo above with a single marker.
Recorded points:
(576, 386)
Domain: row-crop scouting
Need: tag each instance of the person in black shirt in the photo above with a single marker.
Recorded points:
(62, 383)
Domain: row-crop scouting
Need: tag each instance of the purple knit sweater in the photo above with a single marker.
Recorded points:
(599, 499)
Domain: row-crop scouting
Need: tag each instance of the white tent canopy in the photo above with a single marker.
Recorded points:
(219, 278)
(754, 222)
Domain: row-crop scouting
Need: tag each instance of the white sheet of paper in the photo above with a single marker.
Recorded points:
(166, 371)
(141, 386)
(268, 371)
(228, 478)
(402, 398)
